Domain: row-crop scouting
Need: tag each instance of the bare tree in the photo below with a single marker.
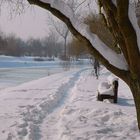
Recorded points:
(34, 47)
(2, 43)
(76, 49)
(62, 30)
(51, 45)
(12, 46)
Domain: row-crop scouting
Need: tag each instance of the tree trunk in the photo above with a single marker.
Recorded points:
(134, 85)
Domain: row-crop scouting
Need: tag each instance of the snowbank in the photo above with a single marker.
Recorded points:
(107, 87)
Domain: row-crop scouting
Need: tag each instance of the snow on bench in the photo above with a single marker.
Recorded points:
(108, 89)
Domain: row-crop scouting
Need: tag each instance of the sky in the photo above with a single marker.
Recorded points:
(30, 24)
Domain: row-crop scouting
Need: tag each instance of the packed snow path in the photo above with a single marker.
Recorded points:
(64, 107)
(23, 108)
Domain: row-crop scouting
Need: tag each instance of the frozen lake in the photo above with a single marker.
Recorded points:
(15, 76)
(17, 70)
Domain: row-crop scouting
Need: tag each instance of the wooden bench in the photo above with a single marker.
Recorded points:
(108, 90)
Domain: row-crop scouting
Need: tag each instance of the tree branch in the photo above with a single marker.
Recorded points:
(121, 73)
(63, 33)
(111, 14)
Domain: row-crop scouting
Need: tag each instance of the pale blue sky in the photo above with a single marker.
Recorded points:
(32, 23)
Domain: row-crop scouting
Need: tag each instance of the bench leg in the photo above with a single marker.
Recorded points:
(112, 99)
(115, 100)
(99, 97)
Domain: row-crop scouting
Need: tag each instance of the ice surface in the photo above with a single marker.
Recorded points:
(17, 70)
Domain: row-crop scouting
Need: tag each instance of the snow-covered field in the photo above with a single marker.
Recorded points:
(63, 106)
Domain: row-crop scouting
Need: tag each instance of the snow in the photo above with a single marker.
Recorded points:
(63, 106)
(133, 19)
(105, 88)
(114, 2)
(114, 58)
(111, 78)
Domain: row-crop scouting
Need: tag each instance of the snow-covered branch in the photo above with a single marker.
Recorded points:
(132, 16)
(81, 30)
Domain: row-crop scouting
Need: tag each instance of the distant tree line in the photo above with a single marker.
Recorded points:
(47, 47)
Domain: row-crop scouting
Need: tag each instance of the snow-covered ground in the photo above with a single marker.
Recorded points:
(63, 106)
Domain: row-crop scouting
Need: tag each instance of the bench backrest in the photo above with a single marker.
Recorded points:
(115, 87)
